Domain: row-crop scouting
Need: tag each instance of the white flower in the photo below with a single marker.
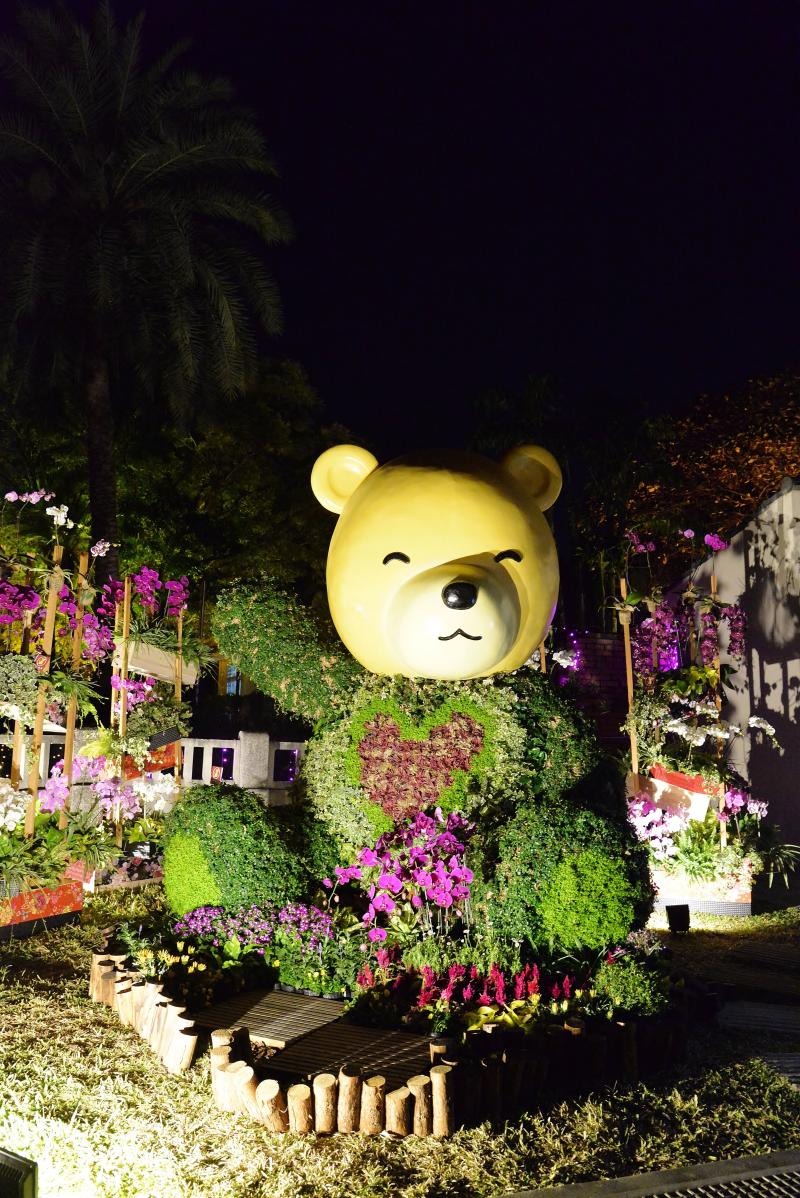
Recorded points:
(718, 732)
(100, 548)
(59, 515)
(566, 658)
(679, 727)
(756, 721)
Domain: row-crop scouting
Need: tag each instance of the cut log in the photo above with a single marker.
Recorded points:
(106, 991)
(301, 1119)
(168, 1029)
(441, 1046)
(400, 1111)
(227, 1087)
(373, 1101)
(122, 998)
(181, 1049)
(245, 1085)
(239, 1040)
(420, 1087)
(493, 1097)
(99, 959)
(149, 1009)
(272, 1105)
(219, 1058)
(138, 992)
(348, 1109)
(325, 1103)
(442, 1079)
(160, 1016)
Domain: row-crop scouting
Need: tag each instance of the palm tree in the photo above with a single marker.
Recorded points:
(133, 227)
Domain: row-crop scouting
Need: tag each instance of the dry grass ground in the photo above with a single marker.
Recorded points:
(81, 1095)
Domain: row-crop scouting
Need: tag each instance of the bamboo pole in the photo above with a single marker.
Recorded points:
(179, 693)
(542, 656)
(723, 831)
(56, 580)
(19, 727)
(123, 693)
(625, 621)
(72, 707)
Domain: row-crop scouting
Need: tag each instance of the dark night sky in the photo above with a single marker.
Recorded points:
(608, 192)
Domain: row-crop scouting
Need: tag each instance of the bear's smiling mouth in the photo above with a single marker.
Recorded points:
(460, 632)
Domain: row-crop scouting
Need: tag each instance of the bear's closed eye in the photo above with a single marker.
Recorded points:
(512, 553)
(396, 557)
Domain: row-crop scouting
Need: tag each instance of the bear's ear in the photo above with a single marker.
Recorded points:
(537, 471)
(337, 472)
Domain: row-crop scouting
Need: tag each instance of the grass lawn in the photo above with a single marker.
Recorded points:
(88, 1101)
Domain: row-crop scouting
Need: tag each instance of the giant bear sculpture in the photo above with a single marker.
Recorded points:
(441, 565)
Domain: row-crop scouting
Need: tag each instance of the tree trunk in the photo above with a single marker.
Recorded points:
(102, 465)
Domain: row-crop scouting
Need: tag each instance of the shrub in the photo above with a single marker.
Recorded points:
(222, 847)
(569, 870)
(632, 987)
(587, 901)
(288, 651)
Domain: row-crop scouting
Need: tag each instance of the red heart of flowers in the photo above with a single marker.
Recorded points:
(405, 776)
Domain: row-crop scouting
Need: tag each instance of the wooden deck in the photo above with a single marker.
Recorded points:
(396, 1055)
(272, 1017)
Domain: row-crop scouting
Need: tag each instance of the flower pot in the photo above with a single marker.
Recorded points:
(19, 913)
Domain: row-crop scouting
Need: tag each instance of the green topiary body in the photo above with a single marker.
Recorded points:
(223, 847)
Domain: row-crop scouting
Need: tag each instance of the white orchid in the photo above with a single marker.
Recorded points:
(762, 725)
(59, 516)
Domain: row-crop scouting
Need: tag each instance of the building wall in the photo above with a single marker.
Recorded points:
(761, 571)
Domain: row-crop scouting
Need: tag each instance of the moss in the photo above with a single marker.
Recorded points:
(188, 881)
(587, 901)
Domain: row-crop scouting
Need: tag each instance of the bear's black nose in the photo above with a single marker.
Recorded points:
(460, 595)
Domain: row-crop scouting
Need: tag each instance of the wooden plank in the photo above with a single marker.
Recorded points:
(761, 1016)
(273, 1018)
(397, 1056)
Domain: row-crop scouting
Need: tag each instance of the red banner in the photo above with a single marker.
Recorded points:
(161, 759)
(38, 904)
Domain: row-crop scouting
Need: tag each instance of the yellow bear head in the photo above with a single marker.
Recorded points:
(441, 565)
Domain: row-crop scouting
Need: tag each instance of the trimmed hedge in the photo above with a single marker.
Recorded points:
(223, 847)
(568, 871)
(288, 651)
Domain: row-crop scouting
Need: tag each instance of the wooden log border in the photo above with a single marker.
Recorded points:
(458, 1091)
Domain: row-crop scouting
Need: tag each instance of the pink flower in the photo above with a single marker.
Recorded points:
(11, 496)
(327, 883)
(715, 543)
(688, 533)
(376, 934)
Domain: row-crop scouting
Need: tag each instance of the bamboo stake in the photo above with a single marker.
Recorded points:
(123, 678)
(723, 831)
(179, 693)
(625, 621)
(56, 580)
(19, 727)
(72, 707)
(542, 657)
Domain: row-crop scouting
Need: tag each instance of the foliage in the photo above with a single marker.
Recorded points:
(562, 862)
(19, 684)
(632, 987)
(148, 719)
(223, 847)
(533, 740)
(165, 296)
(289, 653)
(587, 901)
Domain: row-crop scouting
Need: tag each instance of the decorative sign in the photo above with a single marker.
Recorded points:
(161, 759)
(216, 773)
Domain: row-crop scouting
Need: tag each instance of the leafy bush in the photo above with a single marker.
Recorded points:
(404, 745)
(222, 847)
(288, 652)
(587, 901)
(569, 871)
(632, 987)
